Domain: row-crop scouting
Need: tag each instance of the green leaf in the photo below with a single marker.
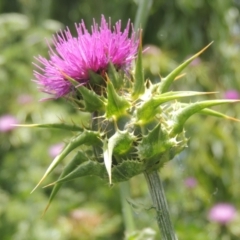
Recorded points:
(147, 112)
(116, 105)
(126, 170)
(122, 172)
(73, 164)
(184, 113)
(214, 113)
(88, 168)
(157, 147)
(107, 156)
(61, 126)
(154, 145)
(210, 112)
(138, 85)
(95, 79)
(150, 108)
(92, 101)
(121, 142)
(167, 81)
(168, 96)
(115, 77)
(86, 137)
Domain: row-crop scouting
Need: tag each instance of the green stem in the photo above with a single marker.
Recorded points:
(126, 207)
(144, 7)
(160, 204)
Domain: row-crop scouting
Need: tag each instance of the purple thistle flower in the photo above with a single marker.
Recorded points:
(222, 213)
(232, 94)
(24, 99)
(7, 123)
(74, 57)
(55, 149)
(190, 182)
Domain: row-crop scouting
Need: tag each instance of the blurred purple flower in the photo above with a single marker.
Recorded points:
(190, 182)
(151, 50)
(194, 62)
(75, 56)
(232, 94)
(6, 123)
(24, 99)
(222, 213)
(55, 149)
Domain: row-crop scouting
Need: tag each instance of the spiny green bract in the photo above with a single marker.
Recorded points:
(136, 125)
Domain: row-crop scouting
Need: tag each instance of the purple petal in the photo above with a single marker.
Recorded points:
(232, 94)
(222, 213)
(75, 56)
(7, 123)
(55, 149)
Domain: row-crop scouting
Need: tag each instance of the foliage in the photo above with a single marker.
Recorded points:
(175, 30)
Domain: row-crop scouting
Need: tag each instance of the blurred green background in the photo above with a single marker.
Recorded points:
(88, 208)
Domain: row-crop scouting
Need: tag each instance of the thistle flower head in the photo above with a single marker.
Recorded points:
(76, 56)
(134, 125)
(222, 213)
(232, 94)
(7, 123)
(190, 182)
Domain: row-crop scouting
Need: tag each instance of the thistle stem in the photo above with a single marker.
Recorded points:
(126, 208)
(156, 190)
